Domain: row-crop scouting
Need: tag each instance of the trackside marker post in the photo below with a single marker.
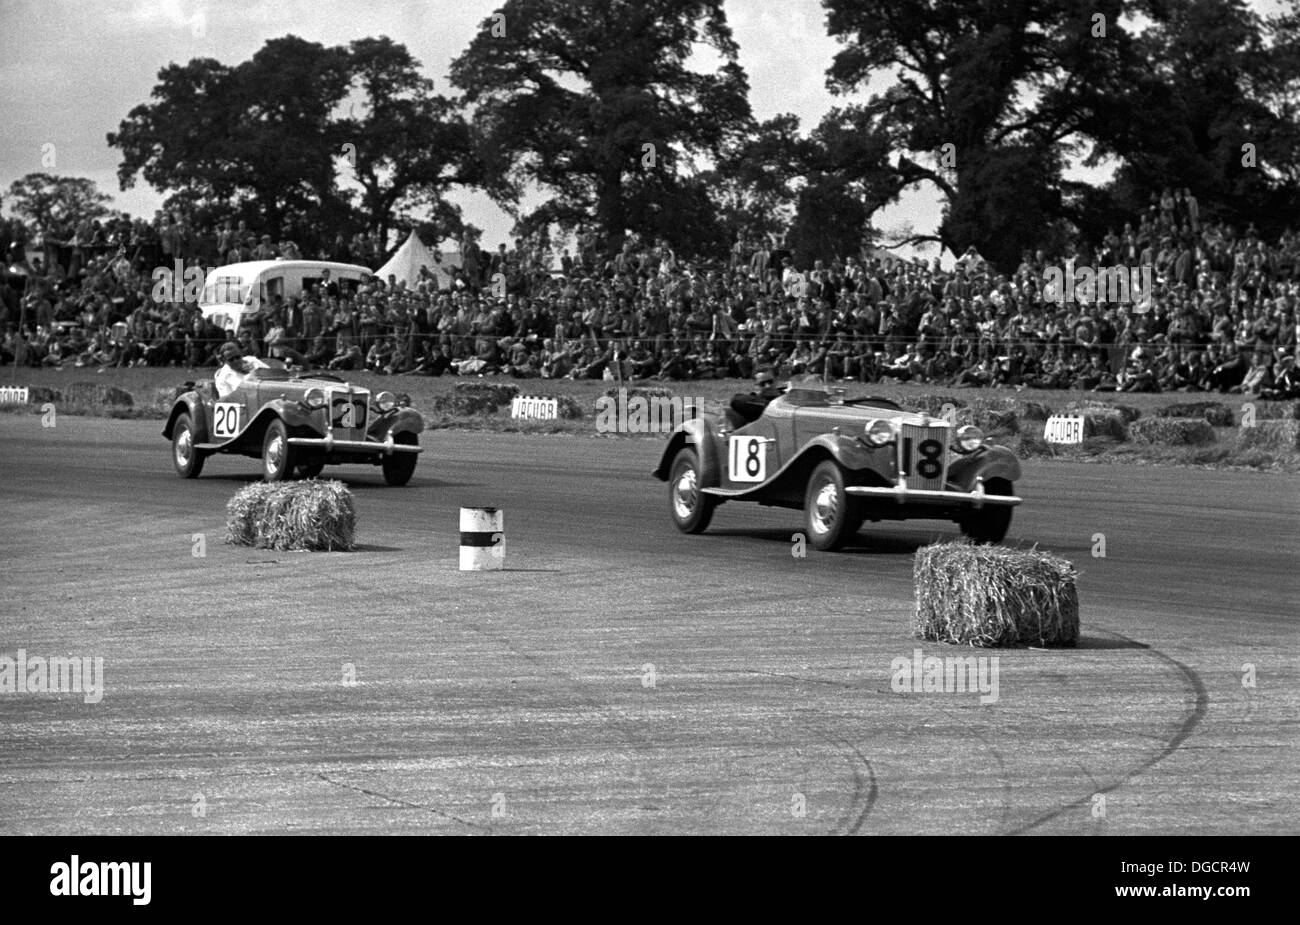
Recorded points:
(482, 539)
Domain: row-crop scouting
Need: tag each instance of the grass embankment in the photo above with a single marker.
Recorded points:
(1125, 428)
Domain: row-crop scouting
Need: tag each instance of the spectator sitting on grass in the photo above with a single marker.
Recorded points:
(1286, 381)
(1259, 377)
(380, 355)
(349, 359)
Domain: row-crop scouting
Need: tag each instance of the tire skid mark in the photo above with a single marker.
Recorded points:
(865, 792)
(1003, 780)
(1190, 721)
(865, 789)
(574, 684)
(399, 802)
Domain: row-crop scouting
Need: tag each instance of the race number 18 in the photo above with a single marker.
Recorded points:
(746, 461)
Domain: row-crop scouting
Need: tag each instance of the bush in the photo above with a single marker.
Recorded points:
(994, 596)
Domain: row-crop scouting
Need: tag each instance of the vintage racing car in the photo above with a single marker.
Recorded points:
(844, 461)
(296, 424)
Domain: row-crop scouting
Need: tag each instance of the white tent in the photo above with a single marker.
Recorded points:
(406, 263)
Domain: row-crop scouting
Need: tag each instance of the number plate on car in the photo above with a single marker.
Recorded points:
(225, 419)
(747, 459)
(923, 456)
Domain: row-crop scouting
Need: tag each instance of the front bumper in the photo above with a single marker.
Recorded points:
(900, 493)
(328, 443)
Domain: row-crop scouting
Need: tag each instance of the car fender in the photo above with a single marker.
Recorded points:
(702, 433)
(189, 402)
(296, 418)
(403, 421)
(995, 462)
(848, 452)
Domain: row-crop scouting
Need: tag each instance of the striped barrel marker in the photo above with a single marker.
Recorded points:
(482, 539)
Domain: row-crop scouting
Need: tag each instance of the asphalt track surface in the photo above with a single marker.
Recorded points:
(620, 677)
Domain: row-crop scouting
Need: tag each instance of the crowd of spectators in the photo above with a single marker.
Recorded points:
(1221, 315)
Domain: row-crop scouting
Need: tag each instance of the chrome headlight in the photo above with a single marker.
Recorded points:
(879, 432)
(385, 401)
(969, 438)
(314, 399)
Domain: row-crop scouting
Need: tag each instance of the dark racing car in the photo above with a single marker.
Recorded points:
(844, 462)
(296, 424)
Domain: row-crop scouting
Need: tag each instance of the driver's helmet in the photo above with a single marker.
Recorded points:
(230, 351)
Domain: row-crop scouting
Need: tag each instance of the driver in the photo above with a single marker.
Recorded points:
(748, 406)
(235, 368)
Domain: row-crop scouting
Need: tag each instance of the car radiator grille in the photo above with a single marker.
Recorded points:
(348, 411)
(923, 456)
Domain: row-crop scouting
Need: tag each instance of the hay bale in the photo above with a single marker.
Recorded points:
(1035, 411)
(1091, 406)
(1032, 445)
(1215, 413)
(642, 391)
(1276, 435)
(1109, 423)
(570, 409)
(993, 596)
(993, 421)
(314, 515)
(476, 397)
(1173, 431)
(98, 394)
(932, 404)
(165, 396)
(40, 394)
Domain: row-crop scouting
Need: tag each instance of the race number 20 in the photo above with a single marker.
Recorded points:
(746, 460)
(225, 419)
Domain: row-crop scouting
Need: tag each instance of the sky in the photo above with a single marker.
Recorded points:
(70, 73)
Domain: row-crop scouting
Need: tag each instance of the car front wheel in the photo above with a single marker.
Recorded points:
(691, 508)
(278, 460)
(832, 518)
(399, 467)
(185, 456)
(989, 524)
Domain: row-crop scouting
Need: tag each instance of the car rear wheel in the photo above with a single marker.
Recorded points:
(278, 457)
(399, 467)
(691, 508)
(832, 516)
(187, 459)
(989, 524)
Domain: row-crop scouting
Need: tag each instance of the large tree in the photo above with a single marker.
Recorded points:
(981, 89)
(42, 200)
(1220, 79)
(264, 140)
(595, 104)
